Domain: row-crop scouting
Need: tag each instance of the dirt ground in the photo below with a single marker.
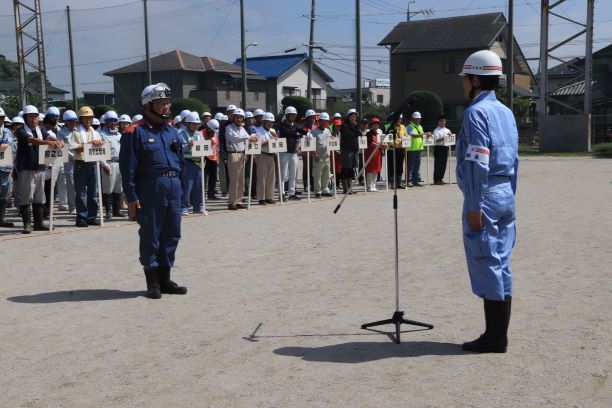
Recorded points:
(277, 297)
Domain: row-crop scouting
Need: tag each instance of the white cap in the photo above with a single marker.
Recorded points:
(111, 115)
(248, 114)
(184, 113)
(258, 112)
(206, 114)
(310, 112)
(136, 118)
(230, 108)
(218, 116)
(29, 109)
(239, 112)
(225, 117)
(2, 112)
(213, 124)
(337, 115)
(154, 92)
(70, 115)
(324, 116)
(125, 118)
(95, 122)
(18, 119)
(268, 116)
(290, 109)
(192, 117)
(416, 115)
(482, 62)
(53, 110)
(351, 111)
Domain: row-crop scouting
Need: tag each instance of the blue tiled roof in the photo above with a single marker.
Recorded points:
(275, 66)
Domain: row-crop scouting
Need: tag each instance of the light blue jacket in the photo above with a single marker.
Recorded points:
(6, 137)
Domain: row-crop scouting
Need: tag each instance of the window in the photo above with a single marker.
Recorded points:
(380, 99)
(449, 65)
(410, 65)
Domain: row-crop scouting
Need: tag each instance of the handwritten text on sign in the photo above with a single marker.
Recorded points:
(49, 156)
(363, 142)
(449, 140)
(309, 144)
(253, 147)
(406, 142)
(6, 157)
(277, 145)
(202, 148)
(428, 140)
(93, 153)
(333, 144)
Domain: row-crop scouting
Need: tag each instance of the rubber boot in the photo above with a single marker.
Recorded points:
(26, 217)
(107, 200)
(153, 290)
(494, 339)
(38, 211)
(168, 286)
(2, 214)
(116, 199)
(345, 184)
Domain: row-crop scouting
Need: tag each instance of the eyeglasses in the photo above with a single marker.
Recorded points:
(162, 102)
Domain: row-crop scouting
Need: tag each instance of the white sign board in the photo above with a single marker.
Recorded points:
(253, 147)
(363, 142)
(6, 157)
(49, 156)
(93, 153)
(333, 144)
(406, 142)
(428, 140)
(449, 140)
(277, 145)
(388, 138)
(309, 144)
(202, 148)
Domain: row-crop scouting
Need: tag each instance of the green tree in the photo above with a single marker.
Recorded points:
(300, 103)
(191, 104)
(429, 105)
(100, 110)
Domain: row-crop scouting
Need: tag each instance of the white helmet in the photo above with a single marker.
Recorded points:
(290, 109)
(125, 118)
(20, 114)
(239, 112)
(218, 116)
(482, 62)
(70, 115)
(177, 119)
(18, 119)
(416, 115)
(351, 111)
(184, 113)
(337, 116)
(111, 115)
(206, 114)
(7, 120)
(41, 117)
(310, 112)
(248, 114)
(29, 109)
(324, 116)
(258, 112)
(192, 117)
(2, 112)
(225, 117)
(154, 92)
(230, 108)
(268, 116)
(53, 110)
(213, 125)
(95, 122)
(136, 118)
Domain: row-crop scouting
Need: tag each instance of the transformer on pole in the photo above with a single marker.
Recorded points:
(30, 50)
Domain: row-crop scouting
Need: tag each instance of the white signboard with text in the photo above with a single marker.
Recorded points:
(49, 156)
(406, 142)
(202, 148)
(333, 144)
(450, 140)
(93, 153)
(6, 157)
(428, 140)
(363, 142)
(252, 147)
(309, 144)
(277, 145)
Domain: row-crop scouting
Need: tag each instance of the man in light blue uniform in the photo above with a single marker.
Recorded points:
(111, 175)
(66, 194)
(7, 147)
(487, 164)
(191, 177)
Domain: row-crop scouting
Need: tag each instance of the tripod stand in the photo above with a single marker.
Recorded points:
(398, 316)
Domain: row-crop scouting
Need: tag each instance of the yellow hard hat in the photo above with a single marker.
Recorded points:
(86, 111)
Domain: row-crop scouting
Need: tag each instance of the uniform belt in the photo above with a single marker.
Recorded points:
(83, 162)
(167, 173)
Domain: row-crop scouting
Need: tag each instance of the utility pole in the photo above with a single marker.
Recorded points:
(72, 75)
(148, 55)
(408, 10)
(310, 51)
(358, 55)
(510, 56)
(588, 58)
(243, 48)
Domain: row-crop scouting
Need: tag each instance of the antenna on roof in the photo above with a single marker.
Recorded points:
(425, 12)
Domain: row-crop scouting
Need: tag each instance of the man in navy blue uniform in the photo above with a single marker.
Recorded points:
(487, 165)
(151, 160)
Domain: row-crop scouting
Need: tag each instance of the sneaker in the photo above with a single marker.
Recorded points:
(439, 183)
(419, 185)
(63, 208)
(200, 211)
(410, 184)
(185, 212)
(263, 202)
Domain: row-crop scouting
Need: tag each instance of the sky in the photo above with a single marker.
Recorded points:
(111, 36)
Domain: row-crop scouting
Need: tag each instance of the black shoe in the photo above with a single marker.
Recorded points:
(439, 183)
(168, 286)
(294, 198)
(495, 337)
(298, 192)
(240, 207)
(93, 222)
(38, 211)
(327, 195)
(262, 202)
(232, 207)
(419, 185)
(270, 201)
(317, 195)
(153, 287)
(82, 224)
(116, 200)
(213, 198)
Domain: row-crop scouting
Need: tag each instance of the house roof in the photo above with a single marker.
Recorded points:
(276, 65)
(178, 60)
(449, 33)
(13, 86)
(517, 90)
(577, 88)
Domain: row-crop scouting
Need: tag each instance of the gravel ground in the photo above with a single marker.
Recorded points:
(277, 296)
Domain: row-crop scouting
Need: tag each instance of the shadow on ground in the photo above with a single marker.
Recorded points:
(362, 352)
(84, 295)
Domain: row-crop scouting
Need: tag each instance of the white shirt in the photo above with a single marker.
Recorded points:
(235, 136)
(440, 134)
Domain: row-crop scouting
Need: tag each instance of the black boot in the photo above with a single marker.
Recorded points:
(26, 217)
(117, 205)
(2, 214)
(495, 337)
(153, 290)
(38, 210)
(168, 286)
(107, 200)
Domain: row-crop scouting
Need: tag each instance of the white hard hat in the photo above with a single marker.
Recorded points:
(103, 118)
(337, 116)
(7, 120)
(324, 116)
(482, 62)
(177, 118)
(258, 112)
(230, 108)
(225, 117)
(213, 125)
(351, 111)
(18, 119)
(239, 112)
(29, 109)
(416, 115)
(218, 116)
(95, 122)
(111, 115)
(70, 115)
(20, 114)
(206, 114)
(248, 114)
(192, 117)
(184, 113)
(125, 118)
(2, 112)
(290, 109)
(41, 117)
(310, 112)
(136, 118)
(54, 111)
(154, 92)
(268, 116)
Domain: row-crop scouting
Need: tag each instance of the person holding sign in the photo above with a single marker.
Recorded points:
(415, 130)
(310, 124)
(235, 136)
(85, 179)
(31, 180)
(151, 160)
(7, 145)
(349, 147)
(321, 166)
(191, 177)
(65, 180)
(111, 175)
(395, 167)
(289, 160)
(211, 162)
(440, 151)
(266, 173)
(375, 164)
(487, 165)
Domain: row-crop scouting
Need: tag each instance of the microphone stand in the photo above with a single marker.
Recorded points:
(398, 316)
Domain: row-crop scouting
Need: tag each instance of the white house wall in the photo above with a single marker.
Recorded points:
(298, 77)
